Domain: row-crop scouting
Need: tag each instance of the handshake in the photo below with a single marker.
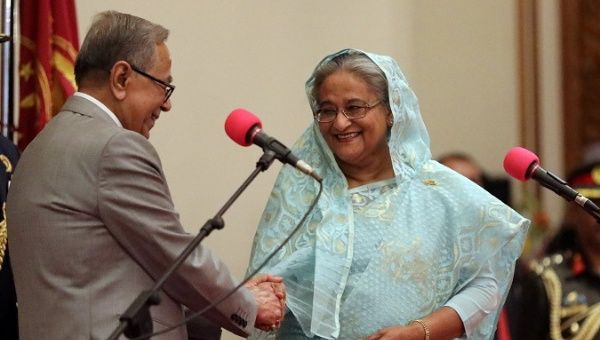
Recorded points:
(269, 292)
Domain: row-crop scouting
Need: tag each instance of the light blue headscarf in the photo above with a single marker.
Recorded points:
(439, 230)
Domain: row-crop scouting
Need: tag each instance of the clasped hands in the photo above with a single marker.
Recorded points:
(269, 292)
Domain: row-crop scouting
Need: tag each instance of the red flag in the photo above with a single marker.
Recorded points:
(49, 45)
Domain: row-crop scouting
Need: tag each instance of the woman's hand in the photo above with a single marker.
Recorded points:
(411, 332)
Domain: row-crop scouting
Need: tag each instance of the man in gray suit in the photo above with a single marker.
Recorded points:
(91, 220)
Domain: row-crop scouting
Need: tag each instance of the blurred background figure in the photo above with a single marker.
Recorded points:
(561, 294)
(466, 165)
(8, 298)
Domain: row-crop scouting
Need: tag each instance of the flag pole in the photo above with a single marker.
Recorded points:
(6, 70)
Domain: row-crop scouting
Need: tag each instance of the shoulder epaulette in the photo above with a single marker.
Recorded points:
(579, 319)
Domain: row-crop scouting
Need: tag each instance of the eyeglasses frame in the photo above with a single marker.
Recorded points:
(367, 108)
(169, 88)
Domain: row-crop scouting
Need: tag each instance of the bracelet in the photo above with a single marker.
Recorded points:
(425, 327)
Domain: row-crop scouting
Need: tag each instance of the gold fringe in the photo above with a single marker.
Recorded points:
(591, 315)
(3, 236)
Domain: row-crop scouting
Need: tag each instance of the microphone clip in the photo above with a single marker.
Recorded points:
(267, 158)
(137, 318)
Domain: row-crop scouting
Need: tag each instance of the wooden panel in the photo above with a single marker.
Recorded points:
(581, 77)
(529, 114)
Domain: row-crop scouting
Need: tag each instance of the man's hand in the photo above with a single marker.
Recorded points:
(269, 292)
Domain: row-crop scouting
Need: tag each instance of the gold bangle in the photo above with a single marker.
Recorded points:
(425, 327)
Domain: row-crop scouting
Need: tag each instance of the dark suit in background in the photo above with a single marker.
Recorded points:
(8, 298)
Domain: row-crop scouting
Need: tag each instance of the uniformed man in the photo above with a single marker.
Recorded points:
(561, 295)
(8, 299)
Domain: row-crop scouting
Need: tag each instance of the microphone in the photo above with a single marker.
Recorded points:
(523, 164)
(245, 129)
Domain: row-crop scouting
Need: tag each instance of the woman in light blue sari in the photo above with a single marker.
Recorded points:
(399, 246)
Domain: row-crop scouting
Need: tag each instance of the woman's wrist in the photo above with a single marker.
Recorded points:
(424, 326)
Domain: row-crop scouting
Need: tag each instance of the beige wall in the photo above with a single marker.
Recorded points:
(460, 57)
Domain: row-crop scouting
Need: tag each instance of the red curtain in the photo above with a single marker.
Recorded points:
(49, 45)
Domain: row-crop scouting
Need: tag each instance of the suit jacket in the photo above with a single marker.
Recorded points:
(92, 224)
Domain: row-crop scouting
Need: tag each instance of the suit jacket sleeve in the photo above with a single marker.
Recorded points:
(135, 203)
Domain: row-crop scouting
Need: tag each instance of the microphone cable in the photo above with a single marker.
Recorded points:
(250, 276)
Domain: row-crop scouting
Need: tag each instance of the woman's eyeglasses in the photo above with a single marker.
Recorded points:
(354, 111)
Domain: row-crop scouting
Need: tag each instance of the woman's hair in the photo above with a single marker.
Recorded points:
(357, 63)
(116, 36)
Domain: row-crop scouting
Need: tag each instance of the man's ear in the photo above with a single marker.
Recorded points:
(120, 75)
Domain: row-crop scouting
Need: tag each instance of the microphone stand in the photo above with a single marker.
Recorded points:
(136, 320)
(589, 207)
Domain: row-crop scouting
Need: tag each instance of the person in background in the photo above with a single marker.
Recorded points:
(9, 155)
(465, 165)
(561, 294)
(92, 223)
(398, 246)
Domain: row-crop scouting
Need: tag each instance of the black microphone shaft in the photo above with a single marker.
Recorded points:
(554, 183)
(282, 153)
(559, 186)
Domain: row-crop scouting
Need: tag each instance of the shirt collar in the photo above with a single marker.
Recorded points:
(101, 106)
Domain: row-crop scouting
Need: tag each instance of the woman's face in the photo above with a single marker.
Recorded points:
(357, 142)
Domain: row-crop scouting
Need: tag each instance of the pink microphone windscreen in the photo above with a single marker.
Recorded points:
(517, 161)
(239, 123)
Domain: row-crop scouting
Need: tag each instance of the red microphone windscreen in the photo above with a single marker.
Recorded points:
(239, 123)
(517, 161)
